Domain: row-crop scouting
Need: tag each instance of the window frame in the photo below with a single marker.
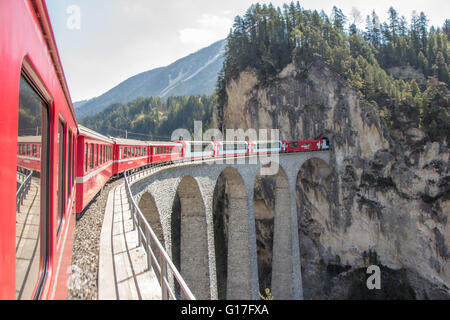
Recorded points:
(30, 77)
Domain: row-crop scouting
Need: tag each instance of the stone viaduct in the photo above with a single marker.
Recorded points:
(195, 184)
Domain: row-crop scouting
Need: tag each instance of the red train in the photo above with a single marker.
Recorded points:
(38, 131)
(29, 152)
(95, 165)
(69, 163)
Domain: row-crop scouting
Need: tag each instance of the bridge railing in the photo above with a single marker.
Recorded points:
(24, 188)
(160, 260)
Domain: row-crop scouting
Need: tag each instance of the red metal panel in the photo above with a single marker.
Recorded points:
(21, 37)
(91, 181)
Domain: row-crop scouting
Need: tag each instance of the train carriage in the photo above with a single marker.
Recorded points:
(29, 153)
(129, 154)
(94, 165)
(233, 148)
(36, 234)
(264, 147)
(199, 150)
(306, 145)
(165, 152)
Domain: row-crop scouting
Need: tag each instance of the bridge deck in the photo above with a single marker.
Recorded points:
(124, 273)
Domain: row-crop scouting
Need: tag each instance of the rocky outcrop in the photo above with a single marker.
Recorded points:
(386, 201)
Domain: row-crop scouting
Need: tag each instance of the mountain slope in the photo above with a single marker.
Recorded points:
(194, 74)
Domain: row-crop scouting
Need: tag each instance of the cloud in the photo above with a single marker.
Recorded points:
(209, 28)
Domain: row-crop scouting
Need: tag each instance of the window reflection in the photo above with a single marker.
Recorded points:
(31, 209)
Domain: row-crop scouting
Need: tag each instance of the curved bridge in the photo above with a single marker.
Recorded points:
(195, 183)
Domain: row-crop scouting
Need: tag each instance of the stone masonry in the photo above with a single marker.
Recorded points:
(195, 184)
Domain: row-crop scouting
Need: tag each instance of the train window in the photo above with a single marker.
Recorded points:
(69, 167)
(61, 174)
(32, 215)
(34, 150)
(293, 144)
(85, 157)
(91, 157)
(96, 155)
(125, 152)
(129, 152)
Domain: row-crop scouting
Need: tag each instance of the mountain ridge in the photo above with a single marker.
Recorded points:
(190, 75)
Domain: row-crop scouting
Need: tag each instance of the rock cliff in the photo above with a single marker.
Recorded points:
(386, 202)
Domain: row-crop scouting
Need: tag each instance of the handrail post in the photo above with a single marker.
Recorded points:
(139, 229)
(164, 291)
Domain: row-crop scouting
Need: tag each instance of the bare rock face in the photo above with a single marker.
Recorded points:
(386, 201)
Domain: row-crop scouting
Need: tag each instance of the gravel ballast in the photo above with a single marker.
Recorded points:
(83, 282)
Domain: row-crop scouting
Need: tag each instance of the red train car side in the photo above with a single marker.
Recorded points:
(129, 154)
(165, 152)
(306, 145)
(36, 235)
(94, 165)
(29, 153)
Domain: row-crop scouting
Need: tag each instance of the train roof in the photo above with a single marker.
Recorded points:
(29, 139)
(188, 141)
(167, 143)
(92, 134)
(130, 142)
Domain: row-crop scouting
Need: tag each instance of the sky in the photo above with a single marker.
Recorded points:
(104, 42)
